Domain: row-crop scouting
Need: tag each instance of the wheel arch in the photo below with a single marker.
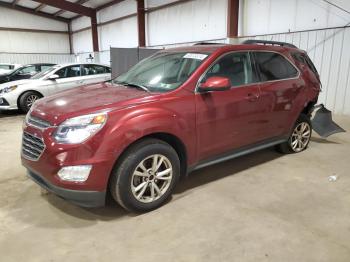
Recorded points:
(26, 91)
(170, 139)
(307, 110)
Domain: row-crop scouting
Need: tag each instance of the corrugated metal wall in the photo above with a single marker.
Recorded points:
(329, 50)
(36, 58)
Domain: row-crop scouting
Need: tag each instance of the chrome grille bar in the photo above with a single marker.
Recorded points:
(37, 122)
(32, 146)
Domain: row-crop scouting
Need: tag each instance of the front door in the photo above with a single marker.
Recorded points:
(227, 120)
(69, 77)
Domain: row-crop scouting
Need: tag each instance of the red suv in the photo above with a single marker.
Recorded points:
(179, 110)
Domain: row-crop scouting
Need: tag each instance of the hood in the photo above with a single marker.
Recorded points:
(18, 83)
(87, 100)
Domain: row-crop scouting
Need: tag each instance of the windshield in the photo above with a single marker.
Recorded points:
(44, 73)
(163, 71)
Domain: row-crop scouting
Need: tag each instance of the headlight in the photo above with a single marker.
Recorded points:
(77, 129)
(8, 89)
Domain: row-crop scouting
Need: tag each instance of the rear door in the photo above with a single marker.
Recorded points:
(279, 86)
(92, 73)
(69, 77)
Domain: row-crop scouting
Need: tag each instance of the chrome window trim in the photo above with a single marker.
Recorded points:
(254, 83)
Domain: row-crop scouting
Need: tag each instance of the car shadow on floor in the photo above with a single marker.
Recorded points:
(10, 113)
(113, 211)
(228, 168)
(322, 140)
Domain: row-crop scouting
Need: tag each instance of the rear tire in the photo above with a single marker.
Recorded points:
(299, 138)
(27, 100)
(145, 176)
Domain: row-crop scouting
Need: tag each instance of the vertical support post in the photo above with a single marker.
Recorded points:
(70, 36)
(94, 33)
(141, 22)
(232, 18)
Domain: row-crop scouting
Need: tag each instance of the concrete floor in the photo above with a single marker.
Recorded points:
(261, 207)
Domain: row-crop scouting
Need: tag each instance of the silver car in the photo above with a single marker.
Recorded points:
(22, 94)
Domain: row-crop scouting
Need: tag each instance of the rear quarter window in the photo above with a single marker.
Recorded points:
(273, 66)
(304, 59)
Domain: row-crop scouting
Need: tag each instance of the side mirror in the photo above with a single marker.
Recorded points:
(53, 77)
(215, 83)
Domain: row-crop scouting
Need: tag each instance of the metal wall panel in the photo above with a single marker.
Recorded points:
(36, 58)
(329, 50)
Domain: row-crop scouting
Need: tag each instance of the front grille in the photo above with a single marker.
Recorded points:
(37, 122)
(32, 147)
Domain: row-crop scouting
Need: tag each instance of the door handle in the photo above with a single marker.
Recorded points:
(80, 82)
(252, 97)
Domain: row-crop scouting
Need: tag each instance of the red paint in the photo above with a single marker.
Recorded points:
(208, 124)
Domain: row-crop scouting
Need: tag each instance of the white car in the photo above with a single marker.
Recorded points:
(22, 94)
(7, 68)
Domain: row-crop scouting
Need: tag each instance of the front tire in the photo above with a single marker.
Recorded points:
(145, 176)
(27, 100)
(299, 138)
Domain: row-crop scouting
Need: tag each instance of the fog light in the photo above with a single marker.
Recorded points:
(75, 173)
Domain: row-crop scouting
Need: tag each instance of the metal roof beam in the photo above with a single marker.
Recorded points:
(31, 11)
(79, 2)
(69, 6)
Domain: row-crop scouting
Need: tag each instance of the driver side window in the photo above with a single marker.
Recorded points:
(235, 66)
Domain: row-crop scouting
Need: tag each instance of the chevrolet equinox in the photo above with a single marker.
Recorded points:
(179, 110)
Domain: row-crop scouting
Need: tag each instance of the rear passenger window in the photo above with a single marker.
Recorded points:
(235, 66)
(273, 66)
(94, 69)
(69, 71)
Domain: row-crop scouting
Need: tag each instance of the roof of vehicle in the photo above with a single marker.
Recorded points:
(72, 64)
(35, 64)
(210, 48)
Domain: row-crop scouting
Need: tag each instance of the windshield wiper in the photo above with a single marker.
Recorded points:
(133, 85)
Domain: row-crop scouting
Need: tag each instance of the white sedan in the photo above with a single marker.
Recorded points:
(22, 94)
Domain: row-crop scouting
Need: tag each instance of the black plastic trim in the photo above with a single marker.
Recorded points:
(78, 197)
(4, 102)
(238, 152)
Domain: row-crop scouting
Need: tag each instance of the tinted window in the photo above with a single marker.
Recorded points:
(6, 67)
(273, 66)
(27, 70)
(304, 59)
(45, 67)
(69, 71)
(93, 70)
(235, 66)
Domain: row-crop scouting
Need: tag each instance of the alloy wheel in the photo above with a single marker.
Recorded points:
(31, 99)
(300, 137)
(151, 178)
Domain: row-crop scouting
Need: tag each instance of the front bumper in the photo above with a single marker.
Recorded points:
(78, 197)
(7, 103)
(45, 168)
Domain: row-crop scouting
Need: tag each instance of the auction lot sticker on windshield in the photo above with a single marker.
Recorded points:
(195, 56)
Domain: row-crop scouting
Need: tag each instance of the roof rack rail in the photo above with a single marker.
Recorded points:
(209, 43)
(266, 42)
